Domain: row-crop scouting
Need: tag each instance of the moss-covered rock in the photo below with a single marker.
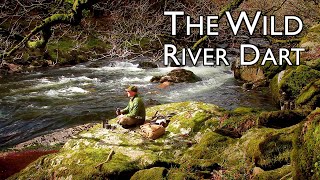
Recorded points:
(282, 119)
(306, 154)
(85, 156)
(285, 172)
(190, 149)
(296, 86)
(293, 82)
(309, 98)
(235, 123)
(155, 173)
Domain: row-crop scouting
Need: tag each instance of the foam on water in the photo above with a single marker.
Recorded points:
(46, 100)
(71, 91)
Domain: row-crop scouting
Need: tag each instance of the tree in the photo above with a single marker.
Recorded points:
(73, 17)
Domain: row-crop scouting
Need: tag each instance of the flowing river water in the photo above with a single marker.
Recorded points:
(33, 104)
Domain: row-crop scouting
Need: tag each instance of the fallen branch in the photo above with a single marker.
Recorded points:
(108, 159)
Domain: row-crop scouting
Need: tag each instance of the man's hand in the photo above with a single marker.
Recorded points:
(119, 118)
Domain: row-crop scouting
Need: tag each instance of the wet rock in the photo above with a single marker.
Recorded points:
(59, 136)
(177, 76)
(10, 68)
(147, 65)
(247, 73)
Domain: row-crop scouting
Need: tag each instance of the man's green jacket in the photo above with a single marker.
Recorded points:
(135, 108)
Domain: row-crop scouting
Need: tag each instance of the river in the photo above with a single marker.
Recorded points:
(36, 103)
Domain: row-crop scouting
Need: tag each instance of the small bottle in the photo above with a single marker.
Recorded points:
(118, 110)
(104, 123)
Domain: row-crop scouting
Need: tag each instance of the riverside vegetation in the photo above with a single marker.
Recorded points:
(202, 140)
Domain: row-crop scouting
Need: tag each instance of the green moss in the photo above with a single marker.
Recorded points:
(180, 173)
(237, 122)
(243, 110)
(60, 48)
(156, 173)
(295, 80)
(188, 122)
(284, 172)
(306, 95)
(96, 43)
(306, 148)
(268, 148)
(208, 150)
(270, 70)
(282, 119)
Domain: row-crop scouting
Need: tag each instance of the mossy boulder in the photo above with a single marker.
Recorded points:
(155, 173)
(298, 86)
(294, 80)
(306, 154)
(282, 119)
(257, 75)
(191, 148)
(81, 156)
(309, 97)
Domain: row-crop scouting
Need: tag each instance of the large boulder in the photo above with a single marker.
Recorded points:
(119, 153)
(192, 148)
(177, 76)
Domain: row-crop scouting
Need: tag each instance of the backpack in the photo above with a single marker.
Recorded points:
(152, 131)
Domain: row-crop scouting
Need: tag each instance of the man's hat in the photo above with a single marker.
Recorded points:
(132, 88)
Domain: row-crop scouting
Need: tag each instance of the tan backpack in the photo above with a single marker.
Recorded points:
(152, 131)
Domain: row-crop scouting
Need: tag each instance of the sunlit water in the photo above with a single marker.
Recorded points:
(37, 103)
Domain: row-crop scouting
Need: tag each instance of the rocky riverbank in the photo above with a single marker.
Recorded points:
(18, 157)
(201, 141)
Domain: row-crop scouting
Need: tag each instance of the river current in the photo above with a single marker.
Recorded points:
(33, 104)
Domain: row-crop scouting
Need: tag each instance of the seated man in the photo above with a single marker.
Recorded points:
(135, 112)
